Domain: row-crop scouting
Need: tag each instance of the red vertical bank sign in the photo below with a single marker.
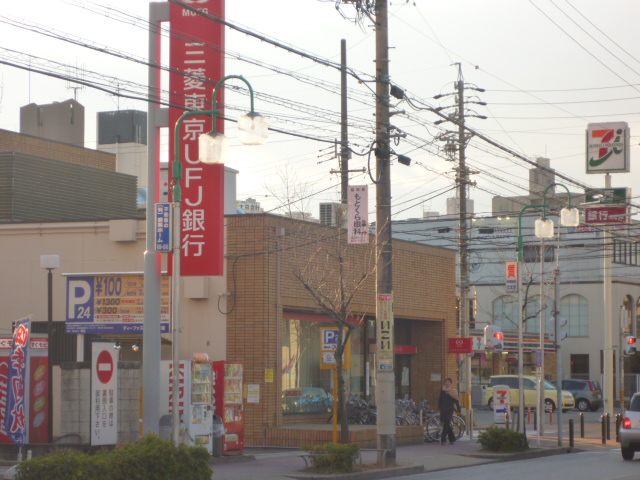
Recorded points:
(197, 63)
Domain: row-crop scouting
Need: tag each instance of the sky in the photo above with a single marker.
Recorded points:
(548, 68)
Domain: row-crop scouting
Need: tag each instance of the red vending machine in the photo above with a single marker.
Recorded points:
(227, 397)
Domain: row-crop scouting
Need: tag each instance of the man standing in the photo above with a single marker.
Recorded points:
(448, 403)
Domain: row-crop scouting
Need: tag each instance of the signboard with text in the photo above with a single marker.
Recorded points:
(104, 394)
(163, 242)
(197, 62)
(111, 304)
(37, 385)
(608, 215)
(328, 346)
(460, 345)
(608, 147)
(357, 213)
(384, 333)
(16, 420)
(511, 276)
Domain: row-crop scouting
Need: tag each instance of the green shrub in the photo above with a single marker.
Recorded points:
(497, 439)
(149, 459)
(336, 458)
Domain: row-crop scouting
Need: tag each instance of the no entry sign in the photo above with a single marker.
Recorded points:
(104, 394)
(104, 367)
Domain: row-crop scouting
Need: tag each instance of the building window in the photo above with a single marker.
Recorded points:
(505, 312)
(580, 366)
(531, 253)
(306, 388)
(575, 308)
(533, 310)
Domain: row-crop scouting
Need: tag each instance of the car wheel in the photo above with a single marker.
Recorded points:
(549, 405)
(490, 403)
(627, 453)
(583, 405)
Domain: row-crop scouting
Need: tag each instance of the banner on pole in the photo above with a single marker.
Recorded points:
(16, 414)
(357, 214)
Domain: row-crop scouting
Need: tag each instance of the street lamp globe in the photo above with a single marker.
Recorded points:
(544, 228)
(570, 217)
(253, 129)
(213, 147)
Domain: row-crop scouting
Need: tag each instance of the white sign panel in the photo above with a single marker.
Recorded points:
(511, 276)
(501, 403)
(357, 214)
(104, 394)
(607, 147)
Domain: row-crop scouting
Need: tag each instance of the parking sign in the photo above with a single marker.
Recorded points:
(328, 346)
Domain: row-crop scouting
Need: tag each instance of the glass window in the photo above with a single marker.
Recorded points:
(505, 312)
(532, 310)
(575, 309)
(306, 388)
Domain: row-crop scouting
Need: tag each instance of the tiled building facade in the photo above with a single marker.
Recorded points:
(265, 252)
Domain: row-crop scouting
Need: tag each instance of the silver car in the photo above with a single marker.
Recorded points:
(630, 429)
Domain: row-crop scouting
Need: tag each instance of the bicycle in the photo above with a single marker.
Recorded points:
(433, 427)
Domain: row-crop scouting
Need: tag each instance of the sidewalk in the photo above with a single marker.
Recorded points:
(281, 464)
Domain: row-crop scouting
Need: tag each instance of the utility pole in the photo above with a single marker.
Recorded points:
(385, 384)
(557, 340)
(344, 133)
(463, 308)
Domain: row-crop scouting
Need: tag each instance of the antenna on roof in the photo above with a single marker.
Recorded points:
(75, 80)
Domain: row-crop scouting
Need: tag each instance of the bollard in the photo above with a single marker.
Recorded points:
(550, 415)
(506, 420)
(608, 426)
(618, 422)
(604, 430)
(529, 414)
(582, 425)
(571, 439)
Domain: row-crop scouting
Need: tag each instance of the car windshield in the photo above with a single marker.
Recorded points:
(634, 405)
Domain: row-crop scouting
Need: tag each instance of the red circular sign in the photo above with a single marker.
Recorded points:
(104, 366)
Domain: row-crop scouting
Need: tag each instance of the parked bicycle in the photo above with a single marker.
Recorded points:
(433, 427)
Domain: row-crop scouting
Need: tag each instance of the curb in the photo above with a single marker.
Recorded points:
(366, 475)
(532, 453)
(232, 459)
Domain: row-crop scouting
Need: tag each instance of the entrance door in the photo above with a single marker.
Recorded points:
(403, 376)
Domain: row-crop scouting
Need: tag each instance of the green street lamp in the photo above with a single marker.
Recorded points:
(544, 228)
(213, 148)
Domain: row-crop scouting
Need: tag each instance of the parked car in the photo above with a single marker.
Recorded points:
(530, 397)
(630, 429)
(587, 393)
(306, 400)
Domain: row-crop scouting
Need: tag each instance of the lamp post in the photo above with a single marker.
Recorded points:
(49, 263)
(569, 217)
(213, 148)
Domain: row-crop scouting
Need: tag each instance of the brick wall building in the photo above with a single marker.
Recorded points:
(267, 255)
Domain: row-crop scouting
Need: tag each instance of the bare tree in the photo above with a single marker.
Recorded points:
(332, 272)
(292, 194)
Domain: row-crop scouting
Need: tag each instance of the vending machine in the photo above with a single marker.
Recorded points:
(227, 399)
(196, 402)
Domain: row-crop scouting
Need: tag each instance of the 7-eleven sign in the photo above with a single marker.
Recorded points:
(607, 147)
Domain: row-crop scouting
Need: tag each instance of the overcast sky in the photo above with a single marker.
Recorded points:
(548, 69)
